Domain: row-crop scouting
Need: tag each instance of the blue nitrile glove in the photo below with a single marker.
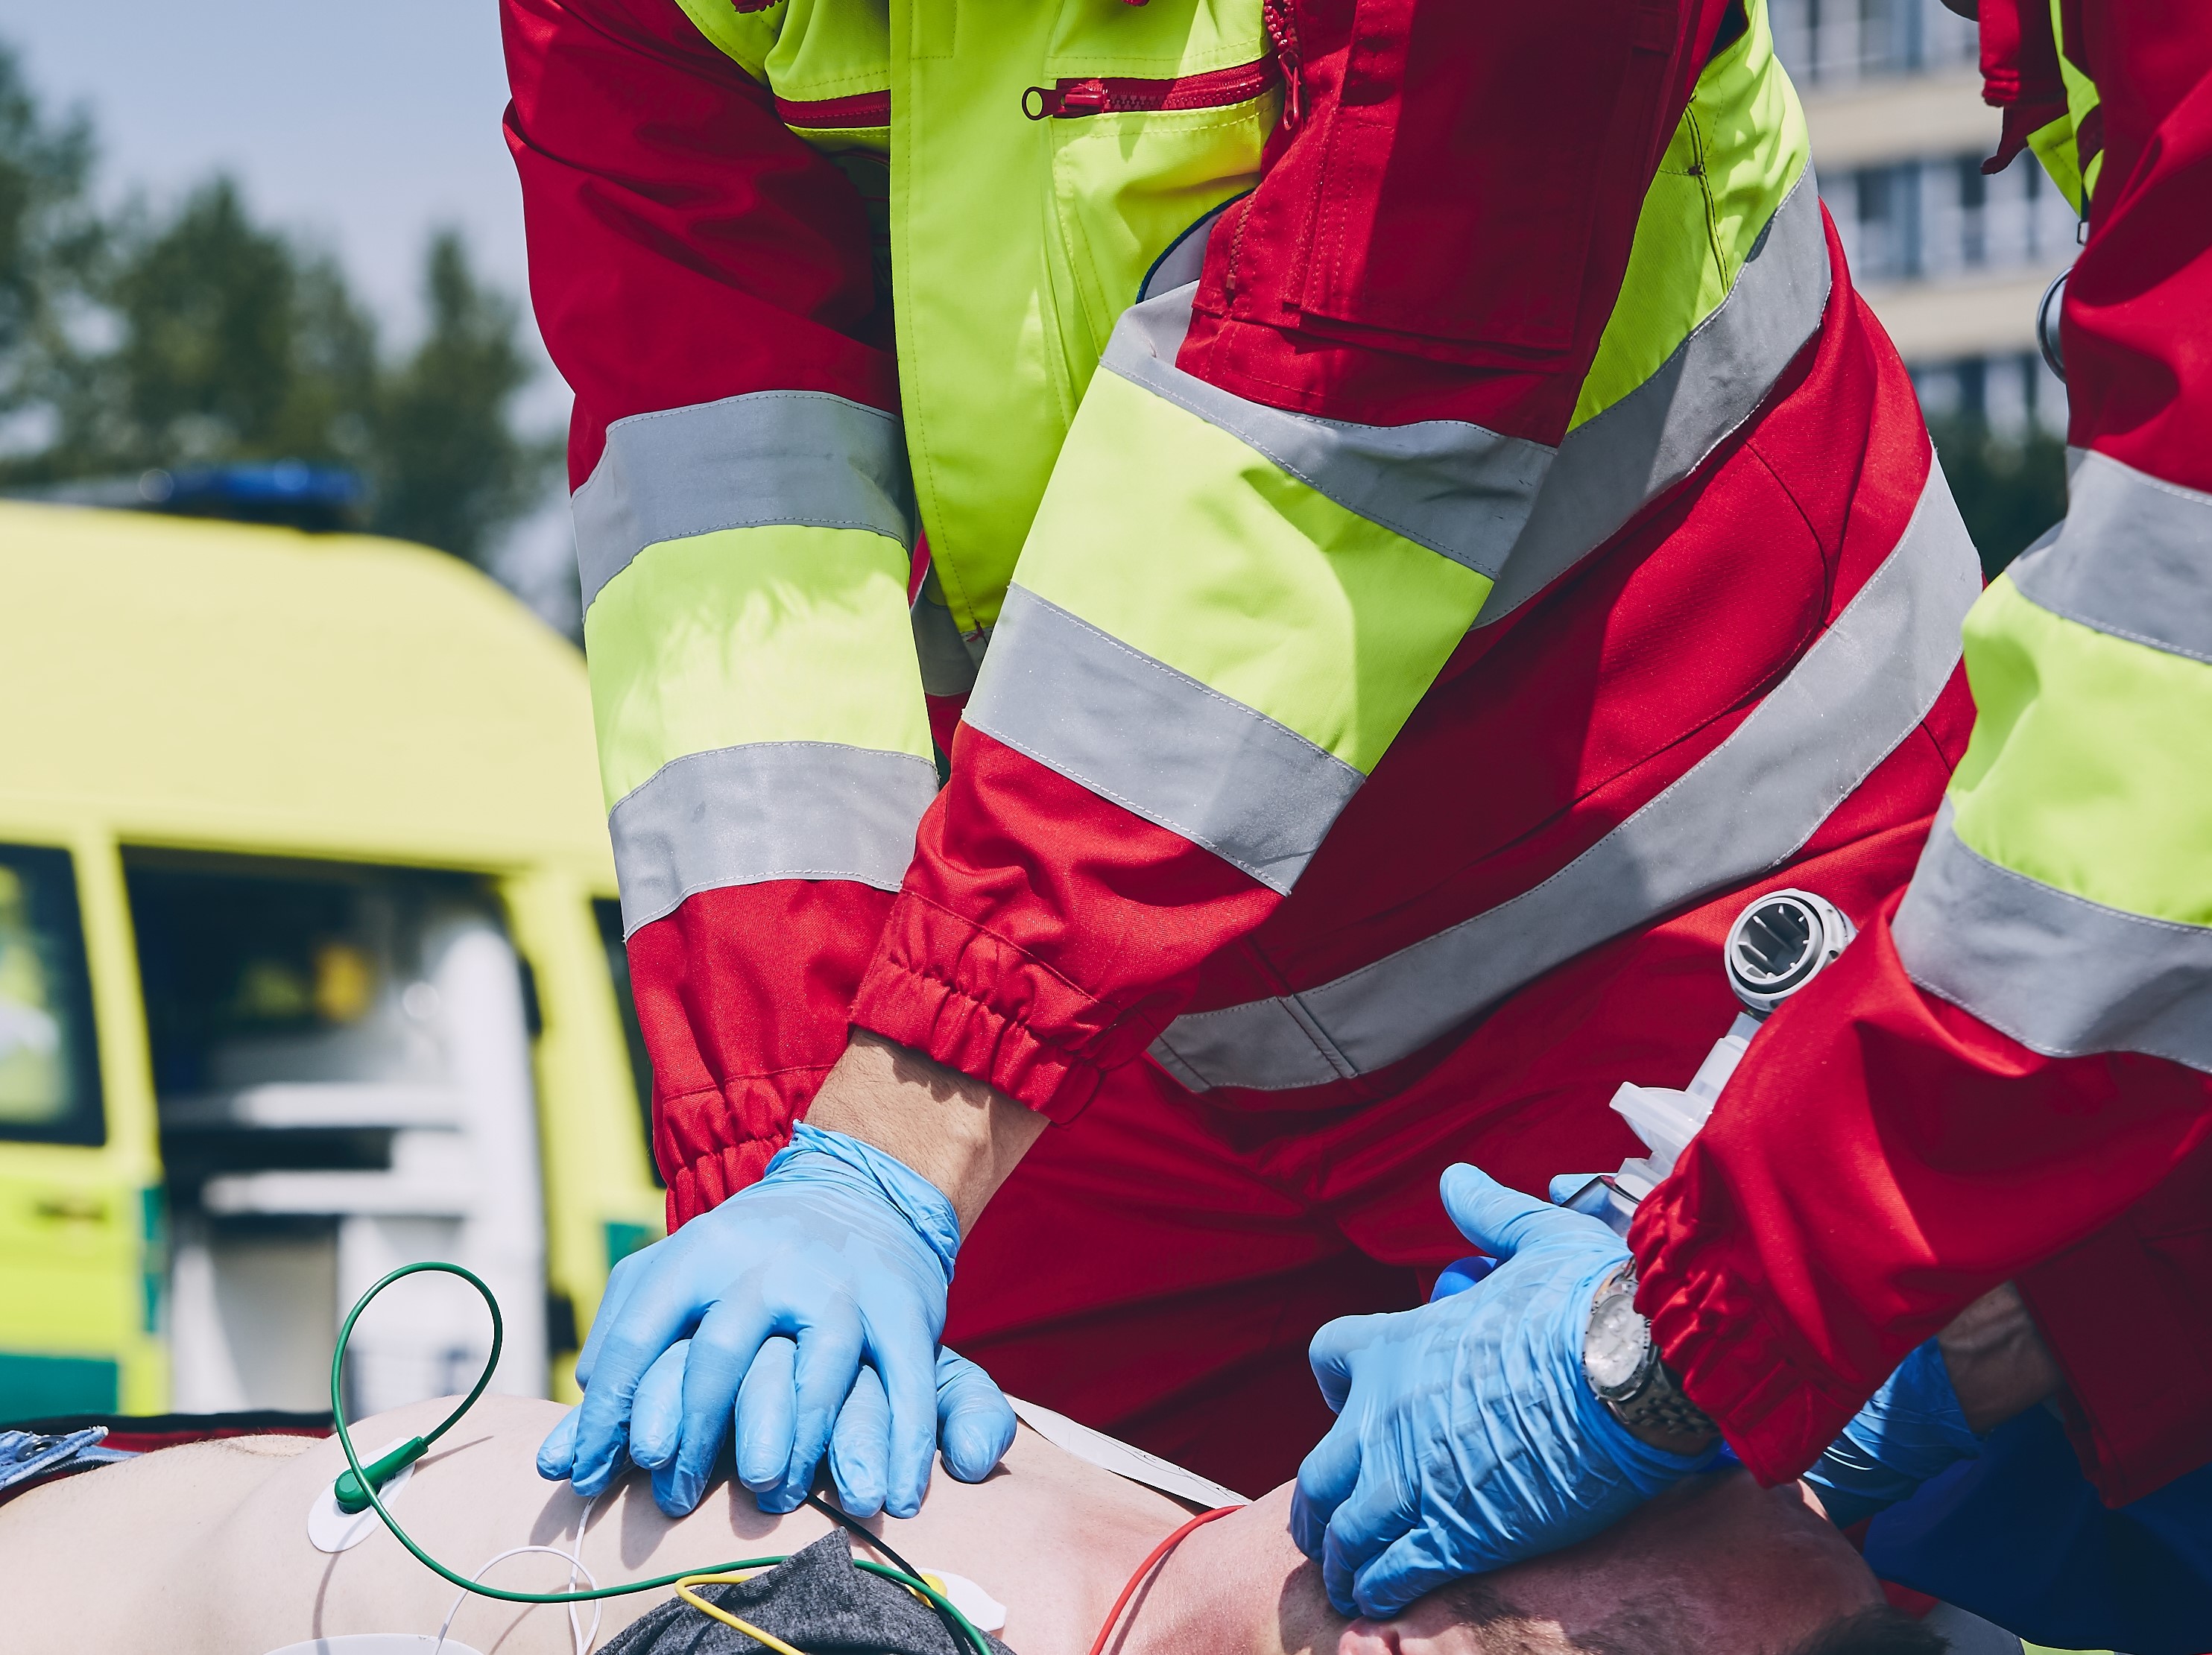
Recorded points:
(1467, 1437)
(975, 1429)
(1461, 1274)
(764, 1311)
(975, 1426)
(1909, 1430)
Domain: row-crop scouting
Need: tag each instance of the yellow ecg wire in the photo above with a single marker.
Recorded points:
(768, 1640)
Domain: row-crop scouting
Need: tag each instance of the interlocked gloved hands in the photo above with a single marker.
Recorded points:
(1909, 1430)
(1467, 1437)
(806, 1308)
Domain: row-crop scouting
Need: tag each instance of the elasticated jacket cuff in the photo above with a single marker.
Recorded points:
(1777, 1409)
(975, 1003)
(714, 1141)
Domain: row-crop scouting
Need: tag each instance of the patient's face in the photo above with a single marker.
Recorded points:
(1719, 1565)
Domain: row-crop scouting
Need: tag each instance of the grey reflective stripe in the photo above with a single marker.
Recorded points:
(740, 816)
(803, 458)
(2063, 975)
(1156, 741)
(2133, 558)
(1452, 487)
(1748, 806)
(1613, 465)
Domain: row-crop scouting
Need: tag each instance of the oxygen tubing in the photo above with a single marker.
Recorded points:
(359, 1485)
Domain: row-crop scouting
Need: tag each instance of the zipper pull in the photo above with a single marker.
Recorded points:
(1281, 23)
(1084, 98)
(1069, 98)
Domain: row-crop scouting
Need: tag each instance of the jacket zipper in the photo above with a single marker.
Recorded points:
(1216, 88)
(1281, 20)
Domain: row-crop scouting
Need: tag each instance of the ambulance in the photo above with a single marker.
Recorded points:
(310, 964)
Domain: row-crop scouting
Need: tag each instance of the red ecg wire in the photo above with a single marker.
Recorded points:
(1159, 1552)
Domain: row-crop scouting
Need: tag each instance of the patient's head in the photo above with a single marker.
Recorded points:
(1715, 1567)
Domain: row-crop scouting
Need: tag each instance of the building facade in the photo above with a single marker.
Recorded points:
(1953, 262)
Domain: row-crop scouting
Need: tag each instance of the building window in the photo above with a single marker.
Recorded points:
(2013, 397)
(1939, 217)
(1837, 42)
(1878, 211)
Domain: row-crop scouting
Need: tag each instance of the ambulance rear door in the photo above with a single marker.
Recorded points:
(81, 1221)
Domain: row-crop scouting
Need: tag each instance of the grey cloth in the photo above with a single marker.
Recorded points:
(816, 1601)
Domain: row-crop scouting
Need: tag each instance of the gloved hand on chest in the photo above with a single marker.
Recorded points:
(803, 1311)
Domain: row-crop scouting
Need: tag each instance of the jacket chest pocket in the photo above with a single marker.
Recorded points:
(1136, 161)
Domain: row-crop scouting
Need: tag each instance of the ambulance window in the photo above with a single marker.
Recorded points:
(49, 1068)
(264, 972)
(609, 914)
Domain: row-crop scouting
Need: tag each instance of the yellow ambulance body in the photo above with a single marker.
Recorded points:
(198, 716)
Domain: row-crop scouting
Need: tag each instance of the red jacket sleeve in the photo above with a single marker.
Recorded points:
(2005, 1077)
(2128, 1315)
(1401, 260)
(1881, 1160)
(702, 279)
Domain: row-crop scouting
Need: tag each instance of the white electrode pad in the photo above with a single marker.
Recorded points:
(988, 1614)
(333, 1529)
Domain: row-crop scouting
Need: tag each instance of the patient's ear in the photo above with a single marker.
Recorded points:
(1366, 1637)
(1468, 1617)
(1445, 1623)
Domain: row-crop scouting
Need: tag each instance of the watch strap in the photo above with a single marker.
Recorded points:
(1652, 1402)
(1660, 1407)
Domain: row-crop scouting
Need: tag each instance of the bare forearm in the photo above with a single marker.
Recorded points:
(1998, 1363)
(961, 1135)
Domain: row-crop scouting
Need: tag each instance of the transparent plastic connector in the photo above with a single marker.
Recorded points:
(1778, 944)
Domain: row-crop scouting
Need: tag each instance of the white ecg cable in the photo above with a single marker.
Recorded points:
(574, 1557)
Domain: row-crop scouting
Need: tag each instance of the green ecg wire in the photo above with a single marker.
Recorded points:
(358, 1489)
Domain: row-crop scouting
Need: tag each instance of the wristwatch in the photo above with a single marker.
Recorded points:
(1621, 1362)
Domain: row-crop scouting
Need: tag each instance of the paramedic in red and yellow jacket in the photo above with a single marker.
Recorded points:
(1256, 580)
(1969, 1170)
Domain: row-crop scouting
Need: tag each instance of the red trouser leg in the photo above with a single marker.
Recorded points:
(1156, 1267)
(1140, 1274)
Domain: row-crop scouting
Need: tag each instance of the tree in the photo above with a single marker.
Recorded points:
(449, 468)
(49, 233)
(2009, 490)
(233, 341)
(230, 343)
(159, 341)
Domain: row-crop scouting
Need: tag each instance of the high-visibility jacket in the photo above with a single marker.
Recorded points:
(2007, 1076)
(1288, 395)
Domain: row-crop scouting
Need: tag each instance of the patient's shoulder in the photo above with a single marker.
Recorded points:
(64, 1542)
(186, 1482)
(262, 1447)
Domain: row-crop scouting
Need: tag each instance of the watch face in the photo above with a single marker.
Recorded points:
(1614, 1349)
